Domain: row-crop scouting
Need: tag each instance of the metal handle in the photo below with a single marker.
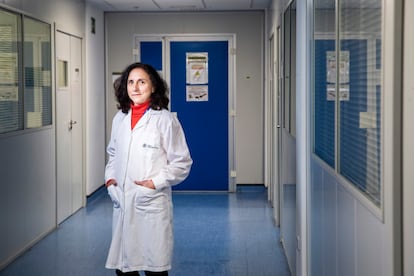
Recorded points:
(71, 123)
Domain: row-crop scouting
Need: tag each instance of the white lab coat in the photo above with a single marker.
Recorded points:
(156, 149)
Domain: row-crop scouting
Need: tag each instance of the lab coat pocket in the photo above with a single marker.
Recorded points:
(149, 200)
(115, 194)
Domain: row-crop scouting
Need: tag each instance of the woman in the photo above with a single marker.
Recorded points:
(147, 154)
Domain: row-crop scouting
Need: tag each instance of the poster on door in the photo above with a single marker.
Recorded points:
(197, 68)
(197, 77)
(197, 93)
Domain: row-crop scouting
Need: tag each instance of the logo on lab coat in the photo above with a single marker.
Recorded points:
(148, 146)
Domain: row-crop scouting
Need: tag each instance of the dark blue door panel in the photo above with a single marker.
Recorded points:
(151, 53)
(205, 123)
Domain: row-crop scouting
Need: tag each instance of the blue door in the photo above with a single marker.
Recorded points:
(151, 53)
(205, 121)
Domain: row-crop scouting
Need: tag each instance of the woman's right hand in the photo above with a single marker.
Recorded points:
(110, 182)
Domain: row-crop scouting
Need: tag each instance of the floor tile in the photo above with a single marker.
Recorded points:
(215, 234)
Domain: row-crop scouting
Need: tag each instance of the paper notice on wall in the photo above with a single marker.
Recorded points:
(197, 93)
(197, 68)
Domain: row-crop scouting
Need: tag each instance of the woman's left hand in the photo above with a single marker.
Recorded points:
(146, 183)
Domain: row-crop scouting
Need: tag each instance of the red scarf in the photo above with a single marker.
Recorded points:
(137, 112)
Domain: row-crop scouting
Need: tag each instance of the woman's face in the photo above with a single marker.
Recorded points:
(139, 86)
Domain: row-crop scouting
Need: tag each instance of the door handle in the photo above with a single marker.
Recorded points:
(71, 123)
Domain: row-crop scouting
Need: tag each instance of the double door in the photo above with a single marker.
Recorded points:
(197, 72)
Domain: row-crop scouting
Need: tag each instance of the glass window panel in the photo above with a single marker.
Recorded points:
(360, 95)
(324, 81)
(37, 73)
(292, 108)
(10, 96)
(289, 69)
(286, 69)
(62, 73)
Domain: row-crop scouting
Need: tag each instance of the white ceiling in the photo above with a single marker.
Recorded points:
(179, 5)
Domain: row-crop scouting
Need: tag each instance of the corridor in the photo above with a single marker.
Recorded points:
(215, 234)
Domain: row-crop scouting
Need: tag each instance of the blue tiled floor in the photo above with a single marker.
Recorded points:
(215, 234)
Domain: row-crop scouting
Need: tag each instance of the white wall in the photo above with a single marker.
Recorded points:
(248, 27)
(346, 237)
(27, 162)
(94, 100)
(408, 145)
(347, 234)
(67, 14)
(27, 204)
(288, 161)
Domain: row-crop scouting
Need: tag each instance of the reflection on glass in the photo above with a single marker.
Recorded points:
(62, 73)
(289, 69)
(37, 73)
(347, 91)
(10, 105)
(324, 80)
(286, 68)
(360, 101)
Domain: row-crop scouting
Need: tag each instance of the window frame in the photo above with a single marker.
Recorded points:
(44, 76)
(358, 193)
(288, 68)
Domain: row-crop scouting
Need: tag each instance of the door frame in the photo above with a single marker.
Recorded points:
(231, 40)
(408, 146)
(272, 113)
(166, 71)
(78, 122)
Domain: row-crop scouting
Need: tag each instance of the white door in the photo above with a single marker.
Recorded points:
(70, 195)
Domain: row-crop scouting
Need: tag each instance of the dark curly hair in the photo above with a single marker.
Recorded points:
(158, 100)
